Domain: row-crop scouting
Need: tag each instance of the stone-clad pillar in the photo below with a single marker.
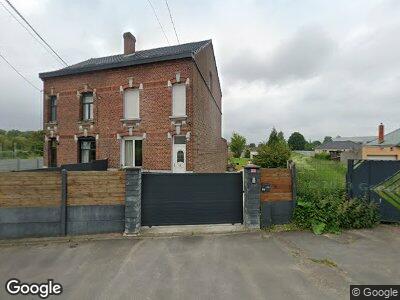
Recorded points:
(133, 200)
(252, 191)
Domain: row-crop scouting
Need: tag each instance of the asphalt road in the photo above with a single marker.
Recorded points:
(287, 265)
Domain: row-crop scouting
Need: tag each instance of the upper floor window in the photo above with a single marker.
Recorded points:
(87, 106)
(53, 108)
(179, 100)
(87, 149)
(131, 104)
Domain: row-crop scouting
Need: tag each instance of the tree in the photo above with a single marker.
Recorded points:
(281, 137)
(275, 155)
(247, 153)
(237, 145)
(273, 137)
(297, 141)
(327, 139)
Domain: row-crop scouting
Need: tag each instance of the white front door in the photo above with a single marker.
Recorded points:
(179, 158)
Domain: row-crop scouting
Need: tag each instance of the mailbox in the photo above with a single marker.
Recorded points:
(265, 188)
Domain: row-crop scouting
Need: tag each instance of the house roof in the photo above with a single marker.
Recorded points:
(390, 139)
(123, 60)
(339, 145)
(356, 139)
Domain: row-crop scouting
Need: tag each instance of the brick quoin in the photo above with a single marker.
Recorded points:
(206, 150)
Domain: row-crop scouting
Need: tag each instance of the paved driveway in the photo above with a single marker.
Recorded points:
(287, 265)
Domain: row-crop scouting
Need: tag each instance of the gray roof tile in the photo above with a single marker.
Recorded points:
(137, 58)
(390, 139)
(339, 145)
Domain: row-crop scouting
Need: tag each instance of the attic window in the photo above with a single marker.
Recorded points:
(210, 84)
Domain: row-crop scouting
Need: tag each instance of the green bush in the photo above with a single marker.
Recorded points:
(275, 155)
(332, 213)
(322, 205)
(322, 155)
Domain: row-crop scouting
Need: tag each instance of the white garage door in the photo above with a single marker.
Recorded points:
(382, 157)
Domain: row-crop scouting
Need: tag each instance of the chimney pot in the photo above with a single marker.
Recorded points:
(129, 43)
(381, 133)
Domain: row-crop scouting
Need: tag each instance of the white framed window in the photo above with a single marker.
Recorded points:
(87, 106)
(131, 152)
(179, 100)
(131, 104)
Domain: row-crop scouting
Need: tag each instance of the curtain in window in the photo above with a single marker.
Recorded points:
(131, 104)
(85, 152)
(129, 153)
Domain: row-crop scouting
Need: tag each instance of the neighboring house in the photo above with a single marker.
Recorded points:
(341, 150)
(253, 153)
(356, 139)
(385, 147)
(159, 109)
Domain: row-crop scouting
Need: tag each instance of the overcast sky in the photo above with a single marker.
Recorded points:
(317, 67)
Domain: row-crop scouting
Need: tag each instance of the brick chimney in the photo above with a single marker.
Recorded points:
(381, 133)
(129, 43)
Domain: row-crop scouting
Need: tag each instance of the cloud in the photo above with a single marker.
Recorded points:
(300, 57)
(321, 68)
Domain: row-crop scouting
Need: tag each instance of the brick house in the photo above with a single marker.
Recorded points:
(159, 109)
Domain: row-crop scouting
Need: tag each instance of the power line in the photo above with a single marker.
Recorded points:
(33, 29)
(172, 21)
(27, 30)
(19, 73)
(158, 20)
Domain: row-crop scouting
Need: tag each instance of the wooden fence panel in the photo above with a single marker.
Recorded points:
(280, 181)
(30, 189)
(96, 188)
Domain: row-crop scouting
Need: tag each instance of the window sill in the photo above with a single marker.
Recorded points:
(178, 118)
(131, 167)
(133, 121)
(86, 122)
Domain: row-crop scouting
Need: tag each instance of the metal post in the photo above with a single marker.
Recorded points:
(63, 206)
(252, 191)
(293, 171)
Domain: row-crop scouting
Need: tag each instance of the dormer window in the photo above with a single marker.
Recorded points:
(53, 109)
(131, 104)
(87, 106)
(179, 100)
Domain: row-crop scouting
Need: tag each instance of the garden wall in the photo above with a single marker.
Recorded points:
(58, 203)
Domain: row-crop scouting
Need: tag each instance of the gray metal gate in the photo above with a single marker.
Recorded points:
(184, 199)
(377, 181)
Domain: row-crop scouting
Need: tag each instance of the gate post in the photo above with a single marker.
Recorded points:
(133, 200)
(252, 191)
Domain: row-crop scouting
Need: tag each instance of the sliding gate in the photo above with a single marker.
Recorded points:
(183, 199)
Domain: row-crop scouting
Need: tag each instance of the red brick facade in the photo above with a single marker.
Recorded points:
(206, 150)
